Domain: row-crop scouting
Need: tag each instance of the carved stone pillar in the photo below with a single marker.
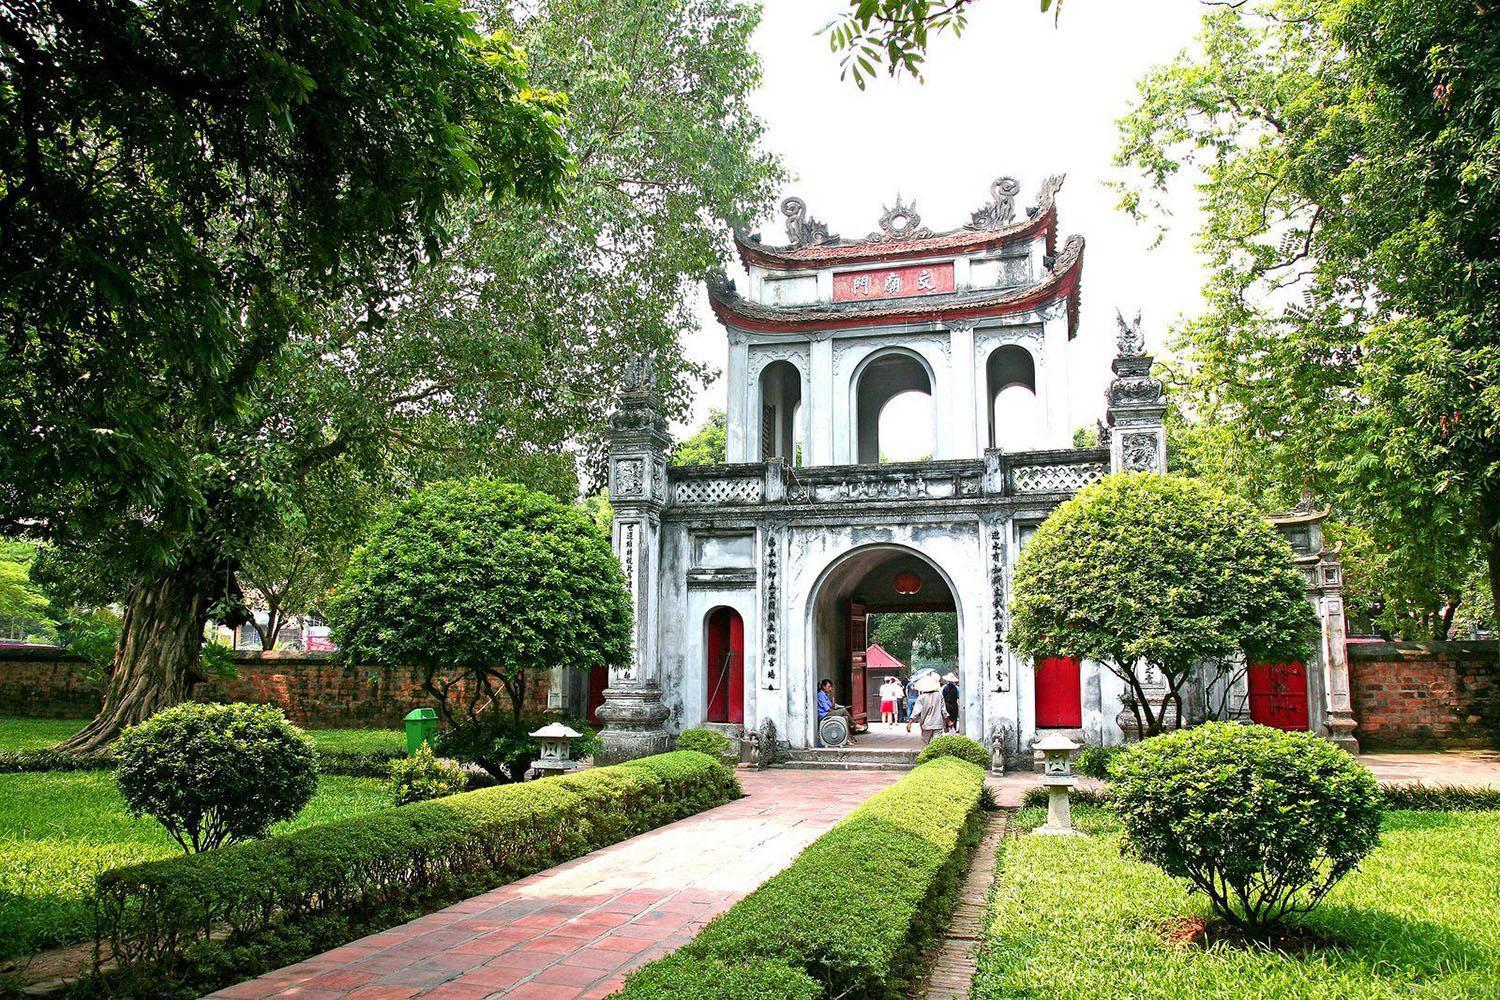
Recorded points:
(1136, 406)
(1330, 708)
(633, 712)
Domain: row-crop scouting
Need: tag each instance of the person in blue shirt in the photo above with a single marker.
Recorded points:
(827, 706)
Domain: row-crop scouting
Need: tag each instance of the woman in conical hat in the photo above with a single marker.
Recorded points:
(927, 713)
(950, 701)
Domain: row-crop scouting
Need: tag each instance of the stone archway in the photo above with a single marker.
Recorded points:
(861, 583)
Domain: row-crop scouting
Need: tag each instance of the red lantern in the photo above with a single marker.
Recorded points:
(907, 583)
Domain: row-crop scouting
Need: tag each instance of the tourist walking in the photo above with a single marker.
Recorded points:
(950, 701)
(891, 693)
(927, 712)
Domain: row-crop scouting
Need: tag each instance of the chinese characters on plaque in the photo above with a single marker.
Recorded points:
(893, 282)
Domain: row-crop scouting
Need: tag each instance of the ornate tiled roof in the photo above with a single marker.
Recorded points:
(902, 236)
(1059, 283)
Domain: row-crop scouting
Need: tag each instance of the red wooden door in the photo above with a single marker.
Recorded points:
(598, 681)
(1059, 694)
(1278, 695)
(859, 629)
(726, 662)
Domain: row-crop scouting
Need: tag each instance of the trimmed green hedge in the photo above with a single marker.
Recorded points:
(1441, 798)
(954, 745)
(680, 975)
(162, 914)
(854, 908)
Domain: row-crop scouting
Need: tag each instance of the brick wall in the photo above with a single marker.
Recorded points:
(1425, 694)
(314, 689)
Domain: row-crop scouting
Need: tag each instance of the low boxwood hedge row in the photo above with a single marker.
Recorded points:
(353, 764)
(853, 909)
(188, 913)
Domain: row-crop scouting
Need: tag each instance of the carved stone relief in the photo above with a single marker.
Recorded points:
(630, 477)
(1138, 452)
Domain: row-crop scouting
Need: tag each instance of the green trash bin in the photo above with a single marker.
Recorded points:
(421, 727)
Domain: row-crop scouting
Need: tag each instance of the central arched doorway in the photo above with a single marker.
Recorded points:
(844, 624)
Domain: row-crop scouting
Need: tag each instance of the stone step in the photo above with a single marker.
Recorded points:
(843, 765)
(855, 755)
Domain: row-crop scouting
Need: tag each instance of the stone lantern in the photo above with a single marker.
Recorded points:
(1057, 778)
(557, 749)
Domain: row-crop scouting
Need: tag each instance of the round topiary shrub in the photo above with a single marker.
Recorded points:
(953, 745)
(484, 586)
(216, 774)
(715, 744)
(424, 775)
(1263, 822)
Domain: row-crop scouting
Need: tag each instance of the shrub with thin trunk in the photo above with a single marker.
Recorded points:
(1261, 821)
(216, 774)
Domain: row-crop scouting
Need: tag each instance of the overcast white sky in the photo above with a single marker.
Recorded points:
(1014, 96)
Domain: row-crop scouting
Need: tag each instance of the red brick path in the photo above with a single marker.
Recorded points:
(575, 930)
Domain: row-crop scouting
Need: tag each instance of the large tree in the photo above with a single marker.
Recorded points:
(182, 187)
(1150, 573)
(1348, 158)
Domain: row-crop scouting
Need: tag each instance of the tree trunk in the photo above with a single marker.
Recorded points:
(161, 634)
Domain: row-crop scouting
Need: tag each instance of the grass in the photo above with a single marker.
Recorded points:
(1071, 918)
(58, 830)
(39, 734)
(35, 734)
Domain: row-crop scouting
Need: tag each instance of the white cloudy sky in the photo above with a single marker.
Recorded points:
(1015, 95)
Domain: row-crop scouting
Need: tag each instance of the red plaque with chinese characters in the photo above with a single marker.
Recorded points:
(893, 282)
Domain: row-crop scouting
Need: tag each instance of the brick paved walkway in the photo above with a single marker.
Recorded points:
(956, 957)
(574, 931)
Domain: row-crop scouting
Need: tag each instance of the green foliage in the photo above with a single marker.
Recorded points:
(1036, 797)
(711, 742)
(58, 831)
(707, 446)
(216, 774)
(346, 878)
(1070, 917)
(24, 608)
(93, 635)
(504, 747)
(205, 182)
(680, 975)
(932, 635)
(1093, 761)
(953, 745)
(1263, 822)
(1428, 798)
(481, 585)
(424, 776)
(854, 908)
(1345, 157)
(1170, 572)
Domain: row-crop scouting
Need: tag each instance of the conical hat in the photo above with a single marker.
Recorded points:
(928, 683)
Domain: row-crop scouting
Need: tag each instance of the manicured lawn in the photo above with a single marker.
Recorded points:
(1420, 918)
(58, 830)
(35, 734)
(38, 734)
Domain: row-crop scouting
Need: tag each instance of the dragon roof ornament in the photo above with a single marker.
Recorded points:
(801, 229)
(1131, 342)
(1001, 208)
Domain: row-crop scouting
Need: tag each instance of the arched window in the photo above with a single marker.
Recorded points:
(780, 406)
(893, 410)
(1010, 375)
(726, 666)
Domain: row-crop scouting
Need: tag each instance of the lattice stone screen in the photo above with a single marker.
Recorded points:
(1056, 478)
(698, 492)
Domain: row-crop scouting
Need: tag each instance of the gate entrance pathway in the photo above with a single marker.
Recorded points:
(574, 931)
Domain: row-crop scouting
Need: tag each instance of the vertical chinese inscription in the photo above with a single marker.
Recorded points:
(997, 588)
(627, 546)
(771, 588)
